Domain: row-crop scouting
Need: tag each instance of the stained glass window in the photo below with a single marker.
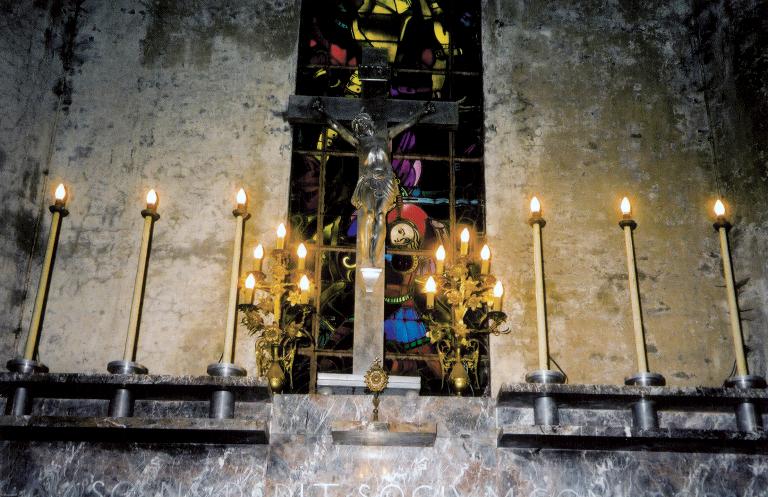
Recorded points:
(435, 54)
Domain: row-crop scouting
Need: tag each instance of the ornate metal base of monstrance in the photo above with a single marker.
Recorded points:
(382, 433)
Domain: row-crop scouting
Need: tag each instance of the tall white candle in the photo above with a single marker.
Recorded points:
(722, 226)
(150, 216)
(229, 338)
(627, 224)
(536, 222)
(57, 211)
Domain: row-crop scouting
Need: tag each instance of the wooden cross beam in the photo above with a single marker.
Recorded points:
(300, 111)
(374, 74)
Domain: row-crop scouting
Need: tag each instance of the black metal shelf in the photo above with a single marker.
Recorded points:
(699, 399)
(134, 430)
(625, 439)
(143, 386)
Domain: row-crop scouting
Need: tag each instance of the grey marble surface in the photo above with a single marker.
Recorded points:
(302, 460)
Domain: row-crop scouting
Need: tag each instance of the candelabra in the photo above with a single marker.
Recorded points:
(277, 340)
(468, 307)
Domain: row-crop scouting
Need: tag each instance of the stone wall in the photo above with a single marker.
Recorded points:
(585, 103)
(183, 97)
(29, 76)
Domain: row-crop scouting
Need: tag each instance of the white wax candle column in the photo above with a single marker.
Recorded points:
(722, 226)
(241, 214)
(628, 225)
(537, 222)
(150, 216)
(58, 211)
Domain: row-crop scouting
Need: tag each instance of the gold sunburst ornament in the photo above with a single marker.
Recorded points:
(376, 379)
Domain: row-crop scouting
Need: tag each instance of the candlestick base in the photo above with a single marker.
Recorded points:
(22, 401)
(121, 404)
(646, 380)
(544, 406)
(126, 367)
(644, 415)
(223, 401)
(748, 416)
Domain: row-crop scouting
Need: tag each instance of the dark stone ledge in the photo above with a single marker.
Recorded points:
(143, 386)
(618, 397)
(134, 430)
(626, 439)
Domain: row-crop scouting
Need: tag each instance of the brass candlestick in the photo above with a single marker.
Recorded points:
(748, 416)
(463, 312)
(276, 343)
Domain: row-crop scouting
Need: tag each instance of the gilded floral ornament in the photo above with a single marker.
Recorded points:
(278, 331)
(461, 315)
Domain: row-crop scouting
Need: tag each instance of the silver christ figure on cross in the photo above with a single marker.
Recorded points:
(376, 189)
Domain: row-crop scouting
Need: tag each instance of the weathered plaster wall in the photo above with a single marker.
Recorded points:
(590, 102)
(585, 102)
(29, 71)
(731, 40)
(184, 97)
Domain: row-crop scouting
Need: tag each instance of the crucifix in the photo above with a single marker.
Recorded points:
(371, 134)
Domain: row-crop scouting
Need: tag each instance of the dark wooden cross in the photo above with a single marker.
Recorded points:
(375, 73)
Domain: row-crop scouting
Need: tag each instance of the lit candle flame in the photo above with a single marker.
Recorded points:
(498, 289)
(535, 206)
(250, 282)
(241, 197)
(151, 199)
(465, 235)
(301, 251)
(258, 252)
(626, 209)
(485, 253)
(61, 192)
(440, 253)
(719, 208)
(430, 286)
(304, 283)
(281, 237)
